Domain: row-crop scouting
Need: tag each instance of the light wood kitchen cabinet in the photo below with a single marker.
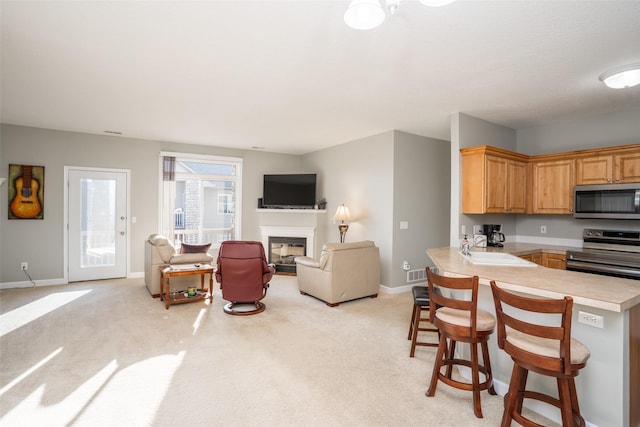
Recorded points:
(535, 258)
(552, 183)
(501, 181)
(493, 181)
(558, 261)
(547, 259)
(615, 168)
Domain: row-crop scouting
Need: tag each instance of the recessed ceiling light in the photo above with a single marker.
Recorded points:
(622, 77)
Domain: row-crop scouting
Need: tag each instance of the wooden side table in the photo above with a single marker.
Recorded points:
(167, 272)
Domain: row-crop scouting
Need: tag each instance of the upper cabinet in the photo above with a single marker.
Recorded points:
(493, 181)
(552, 185)
(615, 168)
(501, 181)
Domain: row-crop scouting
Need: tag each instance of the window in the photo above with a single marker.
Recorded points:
(200, 198)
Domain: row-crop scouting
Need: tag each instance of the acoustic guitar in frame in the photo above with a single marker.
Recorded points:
(26, 204)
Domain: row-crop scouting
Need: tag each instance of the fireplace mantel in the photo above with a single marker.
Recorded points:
(279, 231)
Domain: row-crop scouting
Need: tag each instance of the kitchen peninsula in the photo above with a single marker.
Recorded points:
(609, 386)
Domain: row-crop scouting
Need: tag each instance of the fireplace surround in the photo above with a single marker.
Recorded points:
(291, 236)
(282, 252)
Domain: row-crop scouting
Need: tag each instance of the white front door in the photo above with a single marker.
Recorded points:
(97, 224)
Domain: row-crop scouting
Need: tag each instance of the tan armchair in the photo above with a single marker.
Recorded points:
(160, 252)
(345, 271)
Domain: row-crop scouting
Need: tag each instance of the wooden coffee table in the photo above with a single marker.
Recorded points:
(181, 297)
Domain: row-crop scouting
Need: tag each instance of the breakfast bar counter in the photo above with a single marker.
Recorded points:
(590, 290)
(609, 386)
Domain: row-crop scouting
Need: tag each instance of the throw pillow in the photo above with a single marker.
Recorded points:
(194, 249)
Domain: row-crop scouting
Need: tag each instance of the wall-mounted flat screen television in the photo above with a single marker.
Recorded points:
(289, 191)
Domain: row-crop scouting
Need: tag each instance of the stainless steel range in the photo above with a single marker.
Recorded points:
(609, 252)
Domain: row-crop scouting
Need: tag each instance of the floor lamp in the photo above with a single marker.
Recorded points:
(342, 215)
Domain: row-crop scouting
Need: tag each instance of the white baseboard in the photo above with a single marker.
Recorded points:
(54, 282)
(38, 283)
(400, 289)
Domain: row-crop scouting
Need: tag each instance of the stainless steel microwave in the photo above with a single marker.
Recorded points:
(607, 201)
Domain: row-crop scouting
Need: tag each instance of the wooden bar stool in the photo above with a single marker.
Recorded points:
(538, 347)
(420, 304)
(459, 320)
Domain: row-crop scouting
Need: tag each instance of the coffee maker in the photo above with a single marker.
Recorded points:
(494, 236)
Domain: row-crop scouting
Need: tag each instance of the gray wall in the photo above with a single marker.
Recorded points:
(40, 242)
(616, 128)
(421, 191)
(364, 183)
(396, 169)
(385, 179)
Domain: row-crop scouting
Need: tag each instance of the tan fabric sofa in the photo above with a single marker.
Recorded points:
(345, 271)
(160, 252)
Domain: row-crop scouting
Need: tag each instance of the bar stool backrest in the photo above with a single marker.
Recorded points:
(536, 325)
(447, 291)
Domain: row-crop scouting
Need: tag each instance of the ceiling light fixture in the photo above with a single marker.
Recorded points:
(364, 14)
(622, 77)
(369, 14)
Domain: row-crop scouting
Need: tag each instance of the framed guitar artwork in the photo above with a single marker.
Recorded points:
(26, 192)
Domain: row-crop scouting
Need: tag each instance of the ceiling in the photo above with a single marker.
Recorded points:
(291, 77)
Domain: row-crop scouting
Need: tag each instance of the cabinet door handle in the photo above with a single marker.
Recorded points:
(617, 179)
(608, 179)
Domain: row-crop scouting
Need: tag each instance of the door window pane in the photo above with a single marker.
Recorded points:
(98, 222)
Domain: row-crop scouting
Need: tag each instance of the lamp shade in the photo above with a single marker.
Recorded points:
(342, 214)
(622, 77)
(364, 14)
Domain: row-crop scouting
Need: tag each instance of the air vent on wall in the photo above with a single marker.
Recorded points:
(417, 275)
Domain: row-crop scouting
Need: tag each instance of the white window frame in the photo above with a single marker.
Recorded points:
(233, 161)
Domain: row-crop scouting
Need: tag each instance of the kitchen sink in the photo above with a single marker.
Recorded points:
(497, 258)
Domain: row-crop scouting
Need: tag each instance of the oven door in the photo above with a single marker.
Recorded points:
(609, 263)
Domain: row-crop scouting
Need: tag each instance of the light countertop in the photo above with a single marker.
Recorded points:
(591, 290)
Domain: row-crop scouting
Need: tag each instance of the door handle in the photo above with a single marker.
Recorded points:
(122, 233)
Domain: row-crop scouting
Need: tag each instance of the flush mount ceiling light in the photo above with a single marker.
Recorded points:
(364, 14)
(368, 14)
(622, 77)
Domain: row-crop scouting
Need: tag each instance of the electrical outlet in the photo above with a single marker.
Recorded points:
(406, 266)
(24, 265)
(463, 229)
(591, 319)
(477, 229)
(543, 229)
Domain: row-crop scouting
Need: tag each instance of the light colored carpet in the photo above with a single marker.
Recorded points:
(105, 353)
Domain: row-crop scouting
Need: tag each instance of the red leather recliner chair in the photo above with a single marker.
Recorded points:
(244, 275)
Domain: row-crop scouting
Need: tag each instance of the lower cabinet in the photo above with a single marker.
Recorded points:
(536, 258)
(549, 260)
(558, 261)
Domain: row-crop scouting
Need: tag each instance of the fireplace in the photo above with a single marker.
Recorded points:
(290, 242)
(284, 250)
